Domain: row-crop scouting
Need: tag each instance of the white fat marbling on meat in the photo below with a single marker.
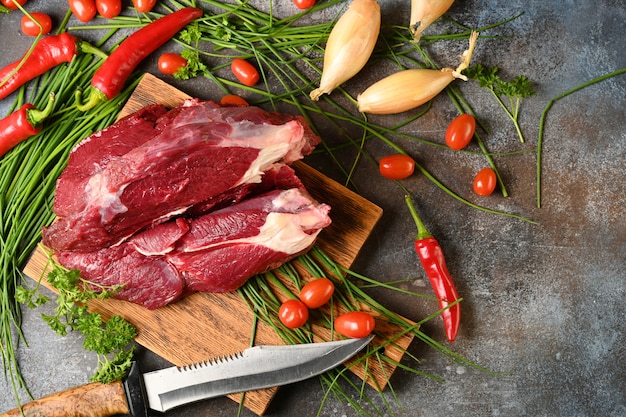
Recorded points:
(291, 229)
(108, 201)
(282, 232)
(285, 232)
(271, 141)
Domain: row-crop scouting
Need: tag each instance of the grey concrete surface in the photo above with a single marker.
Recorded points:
(543, 304)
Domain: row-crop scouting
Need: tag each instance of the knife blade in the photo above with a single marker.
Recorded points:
(255, 368)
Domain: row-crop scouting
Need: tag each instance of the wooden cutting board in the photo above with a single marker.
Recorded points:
(206, 325)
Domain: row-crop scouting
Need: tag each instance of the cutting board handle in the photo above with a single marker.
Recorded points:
(91, 400)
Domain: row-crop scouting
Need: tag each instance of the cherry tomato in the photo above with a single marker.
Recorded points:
(170, 62)
(293, 313)
(355, 324)
(84, 10)
(460, 131)
(316, 293)
(304, 4)
(10, 5)
(245, 72)
(109, 8)
(397, 166)
(144, 6)
(485, 182)
(30, 28)
(233, 101)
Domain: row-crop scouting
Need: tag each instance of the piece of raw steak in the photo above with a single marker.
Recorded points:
(226, 247)
(216, 252)
(150, 281)
(195, 153)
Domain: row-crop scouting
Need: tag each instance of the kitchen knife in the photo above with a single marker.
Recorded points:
(255, 368)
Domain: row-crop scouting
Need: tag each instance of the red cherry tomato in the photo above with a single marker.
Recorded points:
(397, 166)
(460, 131)
(485, 182)
(109, 8)
(30, 28)
(170, 62)
(233, 101)
(304, 4)
(355, 324)
(84, 10)
(10, 5)
(316, 293)
(144, 6)
(245, 72)
(293, 313)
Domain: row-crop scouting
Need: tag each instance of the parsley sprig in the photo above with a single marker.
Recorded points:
(110, 340)
(517, 89)
(191, 35)
(194, 65)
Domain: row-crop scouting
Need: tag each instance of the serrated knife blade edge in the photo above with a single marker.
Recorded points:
(256, 368)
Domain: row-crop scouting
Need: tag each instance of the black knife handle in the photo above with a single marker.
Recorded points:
(91, 400)
(135, 392)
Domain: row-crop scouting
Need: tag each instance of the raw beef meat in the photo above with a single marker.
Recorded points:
(160, 239)
(91, 154)
(223, 249)
(216, 252)
(197, 153)
(198, 198)
(148, 280)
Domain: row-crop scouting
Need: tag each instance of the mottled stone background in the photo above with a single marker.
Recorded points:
(543, 304)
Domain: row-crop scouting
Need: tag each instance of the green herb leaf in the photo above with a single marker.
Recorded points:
(194, 65)
(515, 90)
(113, 338)
(488, 77)
(55, 324)
(523, 87)
(32, 298)
(191, 34)
(224, 31)
(115, 368)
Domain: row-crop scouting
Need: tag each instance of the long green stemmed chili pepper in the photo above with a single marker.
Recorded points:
(45, 55)
(434, 264)
(110, 78)
(22, 124)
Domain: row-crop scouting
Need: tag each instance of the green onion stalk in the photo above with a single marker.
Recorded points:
(546, 110)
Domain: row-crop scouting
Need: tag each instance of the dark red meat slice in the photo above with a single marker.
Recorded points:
(246, 219)
(227, 268)
(160, 239)
(149, 281)
(280, 177)
(225, 248)
(217, 252)
(200, 151)
(91, 154)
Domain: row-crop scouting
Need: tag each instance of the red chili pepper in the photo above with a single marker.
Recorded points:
(47, 53)
(22, 124)
(434, 264)
(110, 78)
